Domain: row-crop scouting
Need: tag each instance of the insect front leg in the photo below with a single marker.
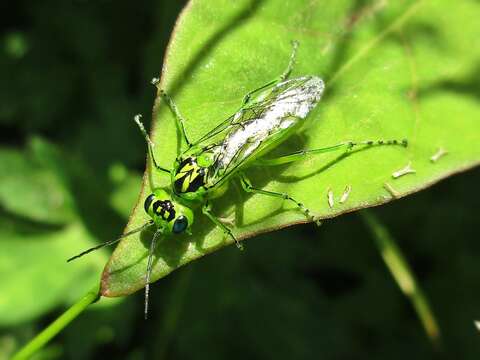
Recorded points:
(150, 144)
(345, 146)
(180, 120)
(282, 77)
(207, 211)
(248, 187)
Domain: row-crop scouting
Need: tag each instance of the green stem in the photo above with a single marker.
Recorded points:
(55, 327)
(401, 272)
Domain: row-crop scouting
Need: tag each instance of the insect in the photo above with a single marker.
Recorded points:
(203, 168)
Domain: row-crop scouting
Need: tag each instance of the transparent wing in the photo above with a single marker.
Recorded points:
(236, 119)
(215, 131)
(259, 125)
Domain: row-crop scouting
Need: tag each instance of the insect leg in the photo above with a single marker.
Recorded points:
(291, 63)
(282, 77)
(248, 187)
(247, 97)
(178, 116)
(207, 211)
(150, 144)
(153, 245)
(345, 146)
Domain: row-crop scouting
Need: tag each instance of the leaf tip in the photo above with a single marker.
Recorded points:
(104, 283)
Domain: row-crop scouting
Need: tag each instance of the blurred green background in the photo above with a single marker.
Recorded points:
(72, 75)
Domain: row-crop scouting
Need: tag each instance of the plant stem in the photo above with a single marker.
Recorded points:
(55, 327)
(403, 275)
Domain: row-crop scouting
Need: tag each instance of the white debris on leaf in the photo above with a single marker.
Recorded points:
(439, 154)
(406, 170)
(391, 190)
(346, 194)
(330, 198)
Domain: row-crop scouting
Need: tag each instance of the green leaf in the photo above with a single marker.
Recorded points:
(33, 266)
(40, 228)
(393, 70)
(32, 187)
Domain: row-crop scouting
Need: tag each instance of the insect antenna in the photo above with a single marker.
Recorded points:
(153, 245)
(111, 242)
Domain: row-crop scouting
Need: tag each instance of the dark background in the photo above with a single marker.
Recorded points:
(73, 73)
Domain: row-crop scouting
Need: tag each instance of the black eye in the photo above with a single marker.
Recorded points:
(148, 201)
(180, 224)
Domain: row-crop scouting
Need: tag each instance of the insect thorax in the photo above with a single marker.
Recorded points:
(189, 177)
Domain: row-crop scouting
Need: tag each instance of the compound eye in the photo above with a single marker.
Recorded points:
(148, 202)
(180, 224)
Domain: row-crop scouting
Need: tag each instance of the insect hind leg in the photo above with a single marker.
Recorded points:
(248, 187)
(347, 147)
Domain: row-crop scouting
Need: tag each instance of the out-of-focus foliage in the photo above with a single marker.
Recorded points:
(72, 75)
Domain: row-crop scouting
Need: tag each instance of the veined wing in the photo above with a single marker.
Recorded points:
(259, 125)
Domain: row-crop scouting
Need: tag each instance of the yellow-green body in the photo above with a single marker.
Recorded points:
(203, 171)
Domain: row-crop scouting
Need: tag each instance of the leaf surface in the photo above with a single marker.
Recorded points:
(39, 229)
(393, 70)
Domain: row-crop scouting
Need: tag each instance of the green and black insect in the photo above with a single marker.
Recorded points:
(203, 169)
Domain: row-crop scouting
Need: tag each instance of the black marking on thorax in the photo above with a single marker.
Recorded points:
(189, 176)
